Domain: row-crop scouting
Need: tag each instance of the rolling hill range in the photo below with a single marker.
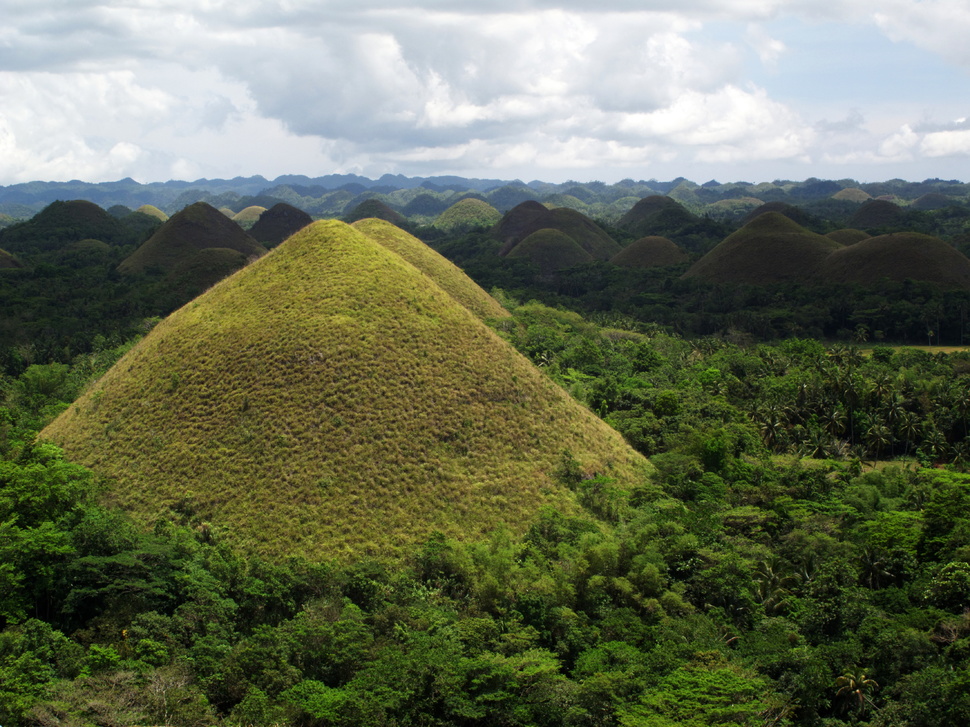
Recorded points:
(332, 400)
(770, 248)
(197, 227)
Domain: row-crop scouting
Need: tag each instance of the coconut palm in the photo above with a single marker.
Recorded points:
(854, 690)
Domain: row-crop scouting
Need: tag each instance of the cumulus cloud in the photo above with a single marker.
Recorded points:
(166, 87)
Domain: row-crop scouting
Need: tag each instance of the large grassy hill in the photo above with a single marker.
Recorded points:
(196, 227)
(769, 249)
(468, 213)
(898, 256)
(655, 215)
(331, 400)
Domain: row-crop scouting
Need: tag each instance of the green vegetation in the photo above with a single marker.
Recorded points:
(898, 256)
(466, 214)
(550, 251)
(247, 216)
(351, 503)
(277, 223)
(648, 252)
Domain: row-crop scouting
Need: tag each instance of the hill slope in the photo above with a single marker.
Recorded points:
(769, 249)
(331, 400)
(440, 269)
(467, 213)
(551, 250)
(655, 215)
(649, 252)
(61, 223)
(529, 217)
(279, 222)
(197, 227)
(898, 256)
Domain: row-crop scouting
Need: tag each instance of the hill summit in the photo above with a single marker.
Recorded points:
(197, 227)
(332, 400)
(279, 222)
(529, 217)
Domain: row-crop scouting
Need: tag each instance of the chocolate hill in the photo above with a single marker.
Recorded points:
(277, 223)
(247, 216)
(61, 223)
(468, 213)
(769, 249)
(795, 214)
(528, 217)
(551, 251)
(650, 252)
(197, 227)
(898, 256)
(655, 215)
(376, 209)
(332, 400)
(152, 211)
(875, 213)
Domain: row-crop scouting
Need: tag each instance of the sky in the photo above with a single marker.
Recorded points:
(753, 90)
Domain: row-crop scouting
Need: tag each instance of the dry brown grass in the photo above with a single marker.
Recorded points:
(332, 400)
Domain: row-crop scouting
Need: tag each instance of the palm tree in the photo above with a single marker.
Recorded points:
(853, 691)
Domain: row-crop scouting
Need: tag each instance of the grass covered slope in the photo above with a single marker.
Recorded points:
(61, 223)
(649, 252)
(279, 222)
(529, 217)
(769, 249)
(330, 399)
(468, 213)
(899, 256)
(653, 213)
(551, 251)
(197, 227)
(8, 261)
(440, 269)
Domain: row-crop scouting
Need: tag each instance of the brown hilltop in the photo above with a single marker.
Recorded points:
(529, 217)
(653, 213)
(875, 213)
(378, 210)
(197, 227)
(898, 256)
(769, 249)
(650, 252)
(279, 222)
(551, 251)
(795, 214)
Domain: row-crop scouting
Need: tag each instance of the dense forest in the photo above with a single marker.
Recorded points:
(798, 554)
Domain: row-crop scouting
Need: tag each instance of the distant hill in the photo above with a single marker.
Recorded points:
(876, 213)
(153, 211)
(649, 252)
(379, 210)
(769, 249)
(61, 223)
(655, 215)
(551, 251)
(277, 223)
(330, 400)
(792, 212)
(247, 216)
(468, 213)
(197, 227)
(898, 256)
(529, 217)
(852, 194)
(442, 271)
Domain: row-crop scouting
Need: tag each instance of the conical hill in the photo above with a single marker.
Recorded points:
(152, 211)
(61, 223)
(551, 251)
(655, 215)
(769, 249)
(848, 236)
(197, 227)
(331, 400)
(279, 222)
(898, 256)
(377, 209)
(468, 213)
(649, 252)
(440, 269)
(529, 217)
